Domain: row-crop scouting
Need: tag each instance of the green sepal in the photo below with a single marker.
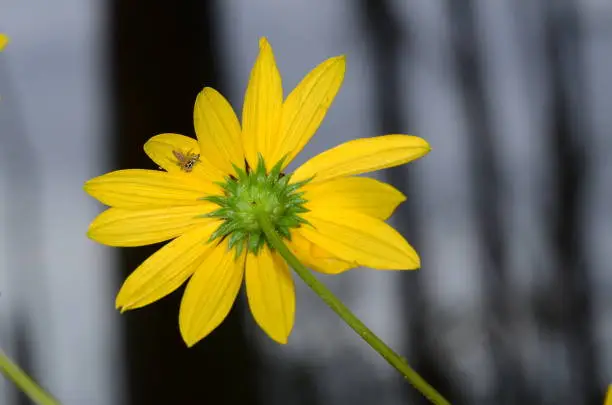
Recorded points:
(215, 199)
(237, 240)
(255, 242)
(224, 229)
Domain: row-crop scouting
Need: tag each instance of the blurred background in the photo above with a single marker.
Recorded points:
(511, 212)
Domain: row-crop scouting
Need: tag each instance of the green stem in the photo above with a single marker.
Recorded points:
(13, 372)
(335, 304)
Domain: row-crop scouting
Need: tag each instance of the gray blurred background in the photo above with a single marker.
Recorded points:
(511, 211)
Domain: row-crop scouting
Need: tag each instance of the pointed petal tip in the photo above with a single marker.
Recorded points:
(122, 307)
(120, 303)
(263, 43)
(414, 263)
(340, 59)
(409, 264)
(414, 138)
(280, 337)
(87, 186)
(90, 188)
(281, 341)
(423, 143)
(412, 259)
(90, 233)
(188, 338)
(340, 63)
(189, 343)
(91, 183)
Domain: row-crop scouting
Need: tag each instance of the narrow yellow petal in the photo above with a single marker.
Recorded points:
(271, 293)
(4, 40)
(218, 130)
(306, 106)
(137, 188)
(362, 156)
(609, 396)
(124, 227)
(162, 150)
(166, 269)
(261, 112)
(315, 257)
(361, 194)
(355, 237)
(210, 293)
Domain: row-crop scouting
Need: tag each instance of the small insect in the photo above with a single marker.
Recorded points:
(186, 161)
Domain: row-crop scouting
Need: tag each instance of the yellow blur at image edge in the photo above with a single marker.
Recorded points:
(4, 40)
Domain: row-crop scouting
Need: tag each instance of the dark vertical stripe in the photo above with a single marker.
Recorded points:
(467, 51)
(162, 54)
(571, 300)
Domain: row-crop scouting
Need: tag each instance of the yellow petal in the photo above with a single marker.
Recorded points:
(137, 188)
(355, 237)
(210, 294)
(608, 400)
(162, 150)
(4, 40)
(166, 269)
(262, 107)
(271, 293)
(362, 156)
(361, 194)
(218, 130)
(124, 227)
(315, 257)
(306, 106)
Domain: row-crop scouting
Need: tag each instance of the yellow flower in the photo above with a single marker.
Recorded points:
(206, 199)
(4, 40)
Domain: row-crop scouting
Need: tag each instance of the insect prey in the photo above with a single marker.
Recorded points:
(186, 161)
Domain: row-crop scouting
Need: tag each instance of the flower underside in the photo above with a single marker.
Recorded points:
(252, 192)
(328, 216)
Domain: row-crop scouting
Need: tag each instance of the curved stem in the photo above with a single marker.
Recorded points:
(14, 373)
(335, 304)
